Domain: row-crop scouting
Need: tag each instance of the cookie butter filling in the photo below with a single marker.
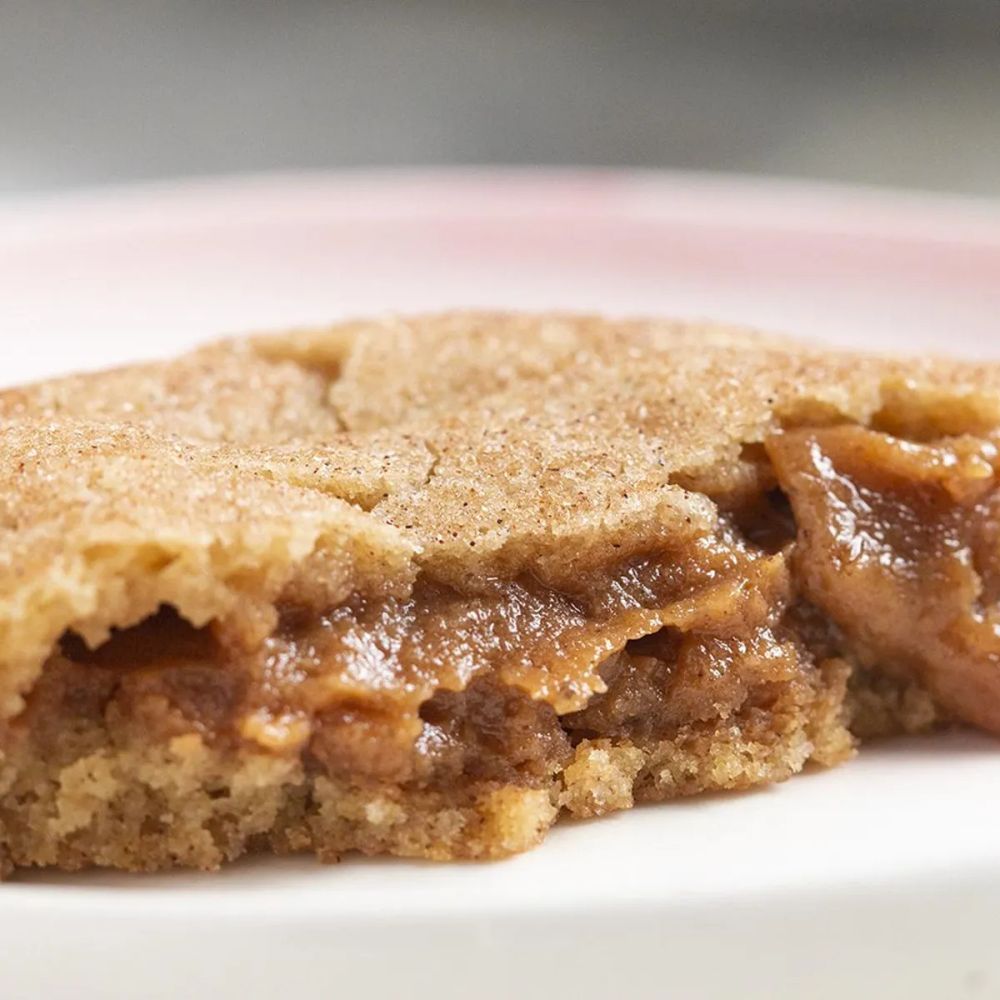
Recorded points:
(363, 687)
(898, 545)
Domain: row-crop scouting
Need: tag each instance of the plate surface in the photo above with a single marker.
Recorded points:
(879, 878)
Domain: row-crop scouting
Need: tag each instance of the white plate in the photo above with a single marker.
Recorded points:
(881, 878)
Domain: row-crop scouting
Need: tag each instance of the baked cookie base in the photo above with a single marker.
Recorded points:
(96, 798)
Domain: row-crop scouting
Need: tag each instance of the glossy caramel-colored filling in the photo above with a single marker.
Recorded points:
(486, 683)
(898, 545)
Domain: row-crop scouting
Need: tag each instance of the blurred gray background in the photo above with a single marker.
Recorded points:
(895, 92)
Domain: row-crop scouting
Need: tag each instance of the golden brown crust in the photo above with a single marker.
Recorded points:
(478, 444)
(370, 462)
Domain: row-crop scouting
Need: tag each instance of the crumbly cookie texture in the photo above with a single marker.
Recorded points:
(421, 586)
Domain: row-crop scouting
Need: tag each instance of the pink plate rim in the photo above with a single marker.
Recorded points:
(733, 202)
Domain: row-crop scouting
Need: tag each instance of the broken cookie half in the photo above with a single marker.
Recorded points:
(421, 586)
